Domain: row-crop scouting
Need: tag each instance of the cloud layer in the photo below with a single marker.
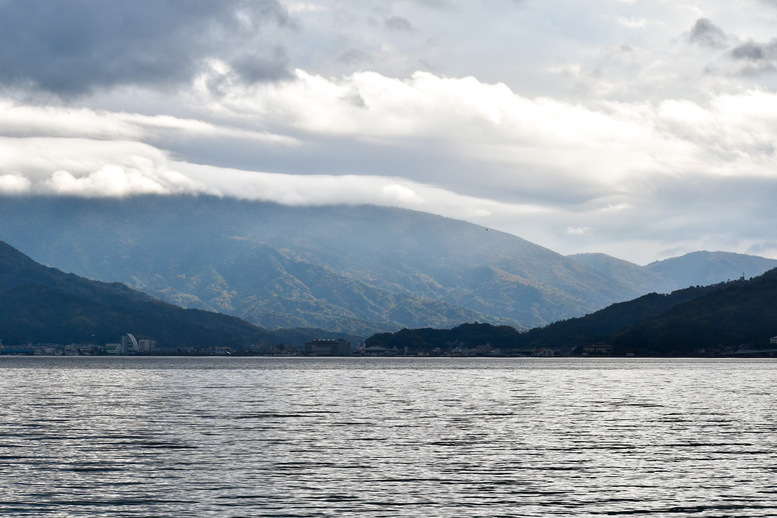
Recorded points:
(73, 46)
(640, 130)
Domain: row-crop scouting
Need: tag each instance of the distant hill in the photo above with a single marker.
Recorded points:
(739, 313)
(703, 268)
(40, 305)
(563, 336)
(709, 320)
(283, 290)
(694, 269)
(356, 269)
(347, 269)
(640, 279)
(604, 325)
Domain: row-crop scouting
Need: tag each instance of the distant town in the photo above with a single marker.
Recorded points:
(129, 345)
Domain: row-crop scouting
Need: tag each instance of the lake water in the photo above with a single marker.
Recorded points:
(389, 437)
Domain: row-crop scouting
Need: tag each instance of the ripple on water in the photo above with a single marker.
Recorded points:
(400, 437)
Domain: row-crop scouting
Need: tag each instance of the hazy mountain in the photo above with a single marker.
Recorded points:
(281, 289)
(706, 320)
(354, 269)
(40, 304)
(566, 335)
(636, 277)
(697, 320)
(703, 268)
(358, 269)
(694, 269)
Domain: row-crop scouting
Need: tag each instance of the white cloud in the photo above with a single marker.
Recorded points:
(542, 168)
(545, 119)
(18, 120)
(14, 184)
(85, 167)
(604, 144)
(305, 7)
(578, 231)
(292, 189)
(633, 23)
(402, 194)
(111, 181)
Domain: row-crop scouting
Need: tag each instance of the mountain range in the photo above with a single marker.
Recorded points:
(40, 304)
(347, 269)
(730, 318)
(692, 269)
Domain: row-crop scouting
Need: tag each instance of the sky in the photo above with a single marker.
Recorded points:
(640, 129)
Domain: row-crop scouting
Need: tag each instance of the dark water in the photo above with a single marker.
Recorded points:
(387, 437)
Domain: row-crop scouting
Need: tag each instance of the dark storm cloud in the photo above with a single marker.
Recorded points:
(706, 34)
(72, 46)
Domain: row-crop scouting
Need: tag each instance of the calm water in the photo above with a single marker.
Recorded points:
(387, 437)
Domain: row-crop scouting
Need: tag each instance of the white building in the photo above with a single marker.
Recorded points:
(146, 345)
(131, 345)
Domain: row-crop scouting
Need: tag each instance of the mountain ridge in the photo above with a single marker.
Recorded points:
(725, 319)
(408, 261)
(699, 268)
(352, 269)
(40, 304)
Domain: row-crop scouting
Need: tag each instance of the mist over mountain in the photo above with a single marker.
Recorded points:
(352, 269)
(638, 278)
(703, 268)
(700, 268)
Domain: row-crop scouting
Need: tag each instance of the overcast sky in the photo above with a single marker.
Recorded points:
(641, 129)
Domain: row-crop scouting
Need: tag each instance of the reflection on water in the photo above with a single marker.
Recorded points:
(387, 437)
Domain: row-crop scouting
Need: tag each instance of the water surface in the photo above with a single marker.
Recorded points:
(387, 437)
